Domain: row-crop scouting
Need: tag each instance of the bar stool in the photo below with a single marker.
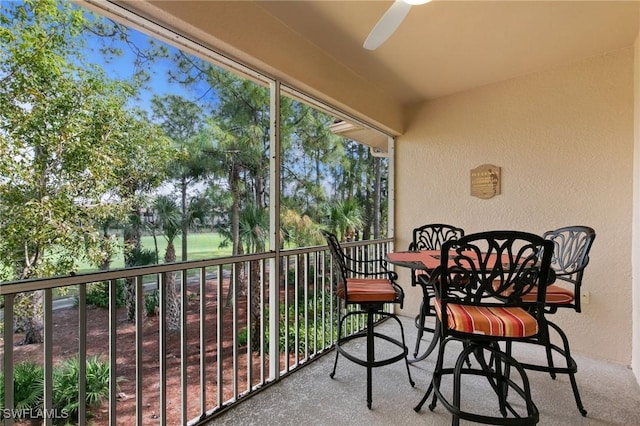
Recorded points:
(365, 287)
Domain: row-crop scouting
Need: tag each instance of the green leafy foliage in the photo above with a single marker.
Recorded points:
(67, 146)
(319, 331)
(243, 336)
(98, 294)
(152, 303)
(65, 384)
(29, 386)
(53, 149)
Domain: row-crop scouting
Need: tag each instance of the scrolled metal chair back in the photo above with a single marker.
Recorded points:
(432, 236)
(504, 265)
(337, 254)
(571, 246)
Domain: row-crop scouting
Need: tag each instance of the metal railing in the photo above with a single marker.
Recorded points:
(230, 309)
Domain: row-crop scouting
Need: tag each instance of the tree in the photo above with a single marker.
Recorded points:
(310, 150)
(238, 132)
(182, 121)
(345, 218)
(358, 179)
(145, 155)
(65, 134)
(299, 230)
(51, 178)
(169, 221)
(254, 231)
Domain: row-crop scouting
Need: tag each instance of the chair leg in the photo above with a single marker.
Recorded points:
(495, 372)
(404, 344)
(571, 367)
(370, 357)
(369, 334)
(576, 394)
(420, 326)
(425, 307)
(504, 383)
(501, 384)
(335, 364)
(550, 361)
(371, 353)
(435, 380)
(507, 369)
(337, 343)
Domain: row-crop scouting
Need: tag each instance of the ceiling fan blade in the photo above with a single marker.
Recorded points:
(389, 22)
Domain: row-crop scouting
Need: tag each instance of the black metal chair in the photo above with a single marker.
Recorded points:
(571, 246)
(365, 287)
(475, 274)
(428, 237)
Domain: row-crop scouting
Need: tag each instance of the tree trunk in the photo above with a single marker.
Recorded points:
(238, 280)
(105, 263)
(132, 236)
(255, 305)
(185, 222)
(173, 301)
(30, 321)
(235, 285)
(155, 245)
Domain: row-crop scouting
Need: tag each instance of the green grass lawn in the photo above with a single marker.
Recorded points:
(205, 245)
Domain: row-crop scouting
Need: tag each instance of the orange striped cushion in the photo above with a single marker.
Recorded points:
(490, 321)
(555, 295)
(362, 290)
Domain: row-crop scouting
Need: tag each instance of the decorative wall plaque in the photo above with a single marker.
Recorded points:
(485, 181)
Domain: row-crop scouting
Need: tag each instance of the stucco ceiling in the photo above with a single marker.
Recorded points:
(445, 47)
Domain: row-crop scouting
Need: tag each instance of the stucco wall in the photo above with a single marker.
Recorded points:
(564, 139)
(635, 362)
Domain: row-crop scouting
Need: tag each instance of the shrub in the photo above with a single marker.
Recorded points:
(242, 336)
(296, 322)
(65, 384)
(98, 294)
(28, 386)
(152, 303)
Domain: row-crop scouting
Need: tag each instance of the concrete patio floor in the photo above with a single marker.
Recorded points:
(609, 393)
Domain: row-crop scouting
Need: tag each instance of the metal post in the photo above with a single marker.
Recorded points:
(274, 229)
(8, 356)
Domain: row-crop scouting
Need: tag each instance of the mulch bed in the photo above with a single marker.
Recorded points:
(65, 341)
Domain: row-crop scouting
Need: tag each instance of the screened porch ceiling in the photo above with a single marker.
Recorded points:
(441, 48)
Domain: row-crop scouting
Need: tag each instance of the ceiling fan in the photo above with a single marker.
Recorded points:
(389, 22)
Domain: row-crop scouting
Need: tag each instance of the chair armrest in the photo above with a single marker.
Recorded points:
(369, 267)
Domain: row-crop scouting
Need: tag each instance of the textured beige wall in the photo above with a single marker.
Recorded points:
(564, 140)
(635, 363)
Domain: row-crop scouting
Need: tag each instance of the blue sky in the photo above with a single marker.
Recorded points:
(122, 67)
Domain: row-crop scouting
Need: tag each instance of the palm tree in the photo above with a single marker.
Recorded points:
(345, 219)
(253, 230)
(254, 226)
(170, 223)
(136, 256)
